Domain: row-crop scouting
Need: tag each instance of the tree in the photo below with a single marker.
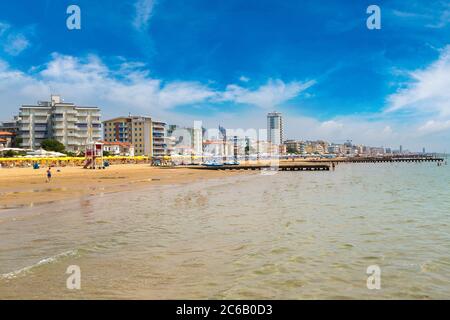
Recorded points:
(291, 150)
(52, 145)
(17, 142)
(9, 154)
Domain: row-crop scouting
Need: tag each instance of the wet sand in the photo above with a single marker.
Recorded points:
(20, 187)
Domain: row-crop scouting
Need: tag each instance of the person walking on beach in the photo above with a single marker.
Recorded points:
(49, 174)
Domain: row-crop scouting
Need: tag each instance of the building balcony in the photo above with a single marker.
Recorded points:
(158, 134)
(83, 135)
(40, 114)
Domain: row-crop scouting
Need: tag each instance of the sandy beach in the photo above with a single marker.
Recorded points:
(21, 187)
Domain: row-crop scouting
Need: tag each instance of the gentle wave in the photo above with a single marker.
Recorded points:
(15, 274)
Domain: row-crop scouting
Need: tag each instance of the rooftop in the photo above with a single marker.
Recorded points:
(4, 133)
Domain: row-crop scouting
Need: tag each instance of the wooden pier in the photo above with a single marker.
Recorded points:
(390, 159)
(280, 167)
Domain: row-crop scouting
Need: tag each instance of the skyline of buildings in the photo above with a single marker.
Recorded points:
(75, 126)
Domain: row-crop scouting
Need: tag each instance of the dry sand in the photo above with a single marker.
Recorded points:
(24, 186)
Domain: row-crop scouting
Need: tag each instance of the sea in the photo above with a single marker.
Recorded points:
(363, 231)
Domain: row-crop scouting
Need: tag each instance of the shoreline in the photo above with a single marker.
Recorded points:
(26, 187)
(23, 187)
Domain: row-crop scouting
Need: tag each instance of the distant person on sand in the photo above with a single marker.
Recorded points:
(49, 174)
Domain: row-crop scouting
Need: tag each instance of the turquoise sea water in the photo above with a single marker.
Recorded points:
(293, 235)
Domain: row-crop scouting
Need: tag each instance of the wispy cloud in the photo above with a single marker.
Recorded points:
(244, 79)
(3, 27)
(143, 13)
(16, 44)
(269, 95)
(13, 42)
(408, 14)
(434, 126)
(428, 89)
(442, 22)
(430, 15)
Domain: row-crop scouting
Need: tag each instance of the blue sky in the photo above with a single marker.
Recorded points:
(230, 62)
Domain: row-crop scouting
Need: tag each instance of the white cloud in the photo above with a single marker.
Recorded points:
(431, 14)
(144, 9)
(434, 126)
(407, 14)
(13, 43)
(428, 91)
(244, 79)
(127, 88)
(442, 22)
(427, 98)
(3, 28)
(331, 125)
(268, 96)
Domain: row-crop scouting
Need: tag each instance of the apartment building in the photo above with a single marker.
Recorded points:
(295, 146)
(160, 140)
(136, 130)
(72, 125)
(275, 128)
(148, 137)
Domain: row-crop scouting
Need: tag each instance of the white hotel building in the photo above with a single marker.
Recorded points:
(275, 128)
(74, 126)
